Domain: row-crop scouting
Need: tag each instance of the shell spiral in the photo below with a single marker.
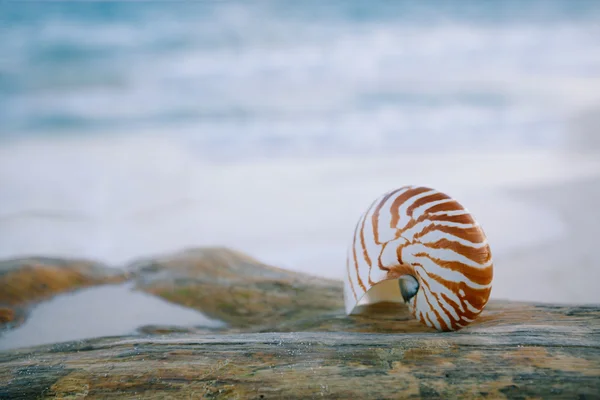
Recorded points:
(432, 250)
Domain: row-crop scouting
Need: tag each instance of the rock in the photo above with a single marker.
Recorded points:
(254, 297)
(395, 318)
(235, 288)
(163, 330)
(520, 351)
(291, 339)
(26, 281)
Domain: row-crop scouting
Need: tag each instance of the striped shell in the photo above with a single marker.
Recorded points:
(421, 247)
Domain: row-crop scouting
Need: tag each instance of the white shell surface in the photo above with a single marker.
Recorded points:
(426, 234)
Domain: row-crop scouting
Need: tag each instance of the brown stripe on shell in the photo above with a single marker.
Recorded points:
(473, 235)
(398, 201)
(449, 206)
(430, 324)
(459, 219)
(379, 263)
(480, 255)
(464, 312)
(360, 282)
(350, 277)
(473, 296)
(453, 304)
(363, 245)
(442, 218)
(440, 319)
(425, 200)
(375, 217)
(480, 276)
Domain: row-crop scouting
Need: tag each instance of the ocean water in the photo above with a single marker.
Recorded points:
(129, 129)
(236, 80)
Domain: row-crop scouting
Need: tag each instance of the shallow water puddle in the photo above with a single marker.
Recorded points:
(99, 311)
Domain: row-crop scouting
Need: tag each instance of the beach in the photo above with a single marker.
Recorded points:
(122, 199)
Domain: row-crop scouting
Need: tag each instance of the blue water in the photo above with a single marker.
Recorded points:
(277, 78)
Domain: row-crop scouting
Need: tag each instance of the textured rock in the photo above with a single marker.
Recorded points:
(503, 358)
(293, 340)
(26, 281)
(236, 288)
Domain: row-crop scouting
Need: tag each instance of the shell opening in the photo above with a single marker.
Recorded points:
(409, 286)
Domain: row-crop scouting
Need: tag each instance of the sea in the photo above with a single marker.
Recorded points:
(134, 128)
(245, 79)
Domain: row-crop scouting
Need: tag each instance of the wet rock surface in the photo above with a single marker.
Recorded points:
(235, 288)
(516, 363)
(288, 337)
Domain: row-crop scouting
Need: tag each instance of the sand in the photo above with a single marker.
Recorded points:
(120, 198)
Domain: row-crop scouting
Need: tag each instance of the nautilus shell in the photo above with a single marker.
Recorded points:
(421, 247)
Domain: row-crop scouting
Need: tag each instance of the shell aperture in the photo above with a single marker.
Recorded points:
(431, 247)
(408, 287)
